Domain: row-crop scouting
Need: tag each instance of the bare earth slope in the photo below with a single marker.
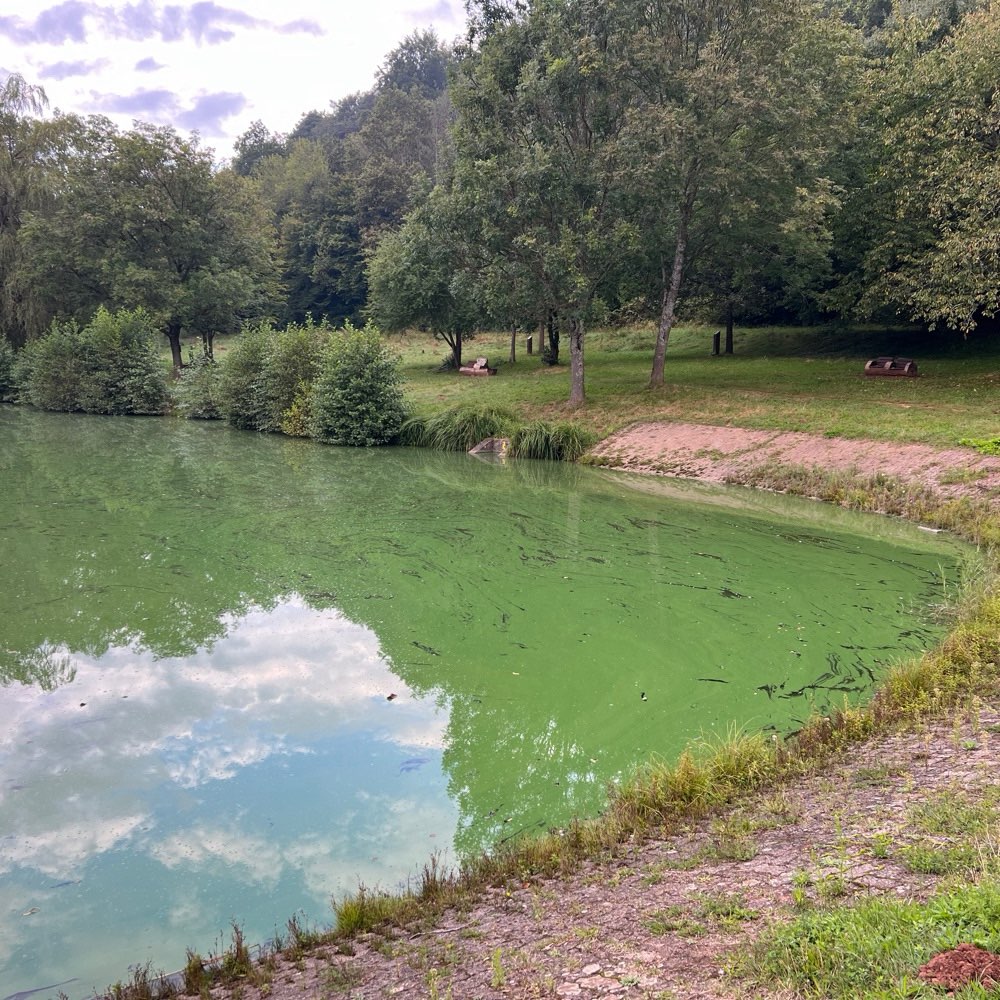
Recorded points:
(726, 454)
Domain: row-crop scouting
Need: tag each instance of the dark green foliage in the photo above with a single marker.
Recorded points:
(108, 366)
(196, 393)
(241, 389)
(357, 398)
(7, 385)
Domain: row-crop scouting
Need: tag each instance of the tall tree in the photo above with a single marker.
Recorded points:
(728, 95)
(419, 275)
(311, 193)
(541, 109)
(934, 249)
(144, 220)
(30, 151)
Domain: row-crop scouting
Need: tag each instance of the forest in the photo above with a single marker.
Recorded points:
(566, 163)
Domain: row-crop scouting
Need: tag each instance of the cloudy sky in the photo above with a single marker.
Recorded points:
(207, 66)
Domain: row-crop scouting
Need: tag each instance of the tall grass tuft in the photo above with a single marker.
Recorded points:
(464, 427)
(563, 442)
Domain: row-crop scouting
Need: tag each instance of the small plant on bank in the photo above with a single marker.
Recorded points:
(357, 399)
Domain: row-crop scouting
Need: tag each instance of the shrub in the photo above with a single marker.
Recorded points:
(109, 366)
(49, 370)
(121, 369)
(293, 362)
(242, 392)
(7, 383)
(357, 399)
(196, 393)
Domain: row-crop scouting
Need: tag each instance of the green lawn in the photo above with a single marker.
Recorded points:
(781, 378)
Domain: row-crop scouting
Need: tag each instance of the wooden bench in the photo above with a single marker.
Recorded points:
(892, 366)
(479, 367)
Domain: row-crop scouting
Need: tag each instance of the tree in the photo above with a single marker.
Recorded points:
(416, 276)
(142, 219)
(254, 145)
(541, 109)
(728, 96)
(934, 250)
(311, 195)
(420, 63)
(30, 153)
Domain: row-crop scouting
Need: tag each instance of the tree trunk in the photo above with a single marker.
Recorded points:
(174, 336)
(576, 394)
(513, 343)
(729, 328)
(454, 341)
(668, 303)
(207, 345)
(553, 339)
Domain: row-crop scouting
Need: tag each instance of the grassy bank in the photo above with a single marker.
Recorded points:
(783, 380)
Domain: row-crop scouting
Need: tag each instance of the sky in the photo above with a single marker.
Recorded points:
(204, 66)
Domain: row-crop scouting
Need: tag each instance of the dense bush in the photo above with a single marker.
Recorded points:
(111, 365)
(265, 384)
(241, 390)
(293, 364)
(357, 398)
(7, 384)
(196, 392)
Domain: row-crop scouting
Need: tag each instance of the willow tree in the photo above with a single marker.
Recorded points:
(29, 151)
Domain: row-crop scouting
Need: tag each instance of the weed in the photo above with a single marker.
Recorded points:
(342, 977)
(880, 844)
(726, 909)
(732, 838)
(933, 859)
(673, 920)
(497, 975)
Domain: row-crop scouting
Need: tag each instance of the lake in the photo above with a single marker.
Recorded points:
(242, 674)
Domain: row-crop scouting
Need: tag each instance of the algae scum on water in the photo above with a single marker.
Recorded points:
(242, 674)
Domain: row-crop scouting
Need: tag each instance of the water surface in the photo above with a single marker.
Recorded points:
(240, 674)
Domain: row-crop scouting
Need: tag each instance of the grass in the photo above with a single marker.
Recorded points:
(779, 378)
(873, 948)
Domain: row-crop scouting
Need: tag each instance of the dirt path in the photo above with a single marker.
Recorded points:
(661, 919)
